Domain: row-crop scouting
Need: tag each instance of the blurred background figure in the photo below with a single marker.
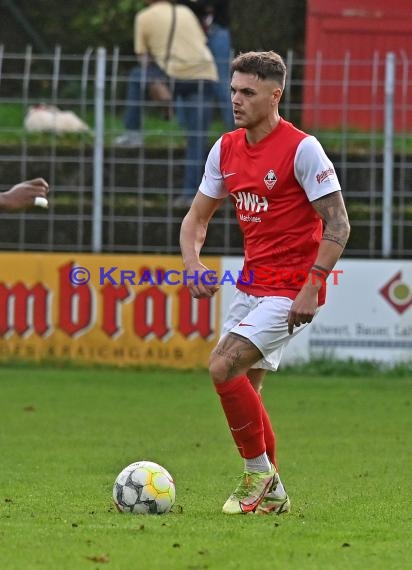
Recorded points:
(173, 56)
(45, 118)
(214, 16)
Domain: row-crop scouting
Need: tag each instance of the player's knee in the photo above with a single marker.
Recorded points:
(218, 369)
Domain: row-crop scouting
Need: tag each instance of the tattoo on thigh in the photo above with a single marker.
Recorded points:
(234, 358)
(238, 351)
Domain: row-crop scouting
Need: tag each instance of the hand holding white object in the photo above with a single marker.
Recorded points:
(24, 195)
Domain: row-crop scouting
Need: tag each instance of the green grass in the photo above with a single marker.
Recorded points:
(161, 133)
(344, 449)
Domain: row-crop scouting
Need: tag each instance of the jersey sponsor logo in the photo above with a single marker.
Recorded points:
(325, 174)
(245, 325)
(250, 202)
(227, 174)
(245, 218)
(270, 179)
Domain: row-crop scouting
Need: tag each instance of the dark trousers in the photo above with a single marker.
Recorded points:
(194, 98)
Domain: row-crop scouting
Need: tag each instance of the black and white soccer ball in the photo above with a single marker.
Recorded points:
(144, 487)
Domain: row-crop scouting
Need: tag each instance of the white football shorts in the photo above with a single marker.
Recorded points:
(263, 321)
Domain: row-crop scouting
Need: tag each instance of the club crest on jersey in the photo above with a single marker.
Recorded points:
(270, 179)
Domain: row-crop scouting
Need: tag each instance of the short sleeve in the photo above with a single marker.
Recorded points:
(212, 184)
(314, 170)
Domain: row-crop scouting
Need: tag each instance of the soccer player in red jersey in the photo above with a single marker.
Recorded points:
(23, 195)
(290, 209)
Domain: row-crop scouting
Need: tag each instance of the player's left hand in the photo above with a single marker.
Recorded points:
(303, 308)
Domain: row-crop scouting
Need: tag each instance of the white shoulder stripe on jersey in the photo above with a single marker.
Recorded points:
(314, 170)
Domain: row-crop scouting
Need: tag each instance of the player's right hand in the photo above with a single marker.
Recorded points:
(199, 282)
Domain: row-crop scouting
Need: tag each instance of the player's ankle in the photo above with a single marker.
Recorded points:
(259, 464)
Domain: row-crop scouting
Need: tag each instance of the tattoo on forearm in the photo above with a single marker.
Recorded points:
(331, 209)
(334, 238)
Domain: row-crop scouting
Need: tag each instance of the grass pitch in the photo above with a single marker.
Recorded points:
(344, 448)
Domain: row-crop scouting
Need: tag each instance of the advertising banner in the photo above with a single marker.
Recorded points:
(117, 309)
(367, 316)
(136, 310)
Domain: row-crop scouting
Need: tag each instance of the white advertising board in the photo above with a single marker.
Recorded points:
(367, 316)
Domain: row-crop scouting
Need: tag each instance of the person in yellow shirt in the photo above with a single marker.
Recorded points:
(214, 17)
(171, 47)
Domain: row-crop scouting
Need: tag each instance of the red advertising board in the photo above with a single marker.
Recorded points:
(346, 46)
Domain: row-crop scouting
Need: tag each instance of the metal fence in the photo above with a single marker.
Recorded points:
(111, 199)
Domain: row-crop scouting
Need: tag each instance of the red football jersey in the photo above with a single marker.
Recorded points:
(272, 184)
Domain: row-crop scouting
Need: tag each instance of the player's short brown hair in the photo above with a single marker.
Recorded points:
(264, 64)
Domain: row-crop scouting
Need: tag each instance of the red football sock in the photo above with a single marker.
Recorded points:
(270, 438)
(243, 410)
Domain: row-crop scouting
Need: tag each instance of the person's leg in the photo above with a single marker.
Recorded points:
(219, 42)
(139, 79)
(195, 115)
(276, 500)
(256, 377)
(132, 115)
(229, 363)
(240, 306)
(267, 334)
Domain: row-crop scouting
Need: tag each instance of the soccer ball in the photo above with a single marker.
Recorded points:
(144, 487)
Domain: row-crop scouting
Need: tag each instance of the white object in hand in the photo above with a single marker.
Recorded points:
(40, 201)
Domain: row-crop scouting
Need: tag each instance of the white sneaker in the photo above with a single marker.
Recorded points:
(275, 501)
(249, 493)
(130, 139)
